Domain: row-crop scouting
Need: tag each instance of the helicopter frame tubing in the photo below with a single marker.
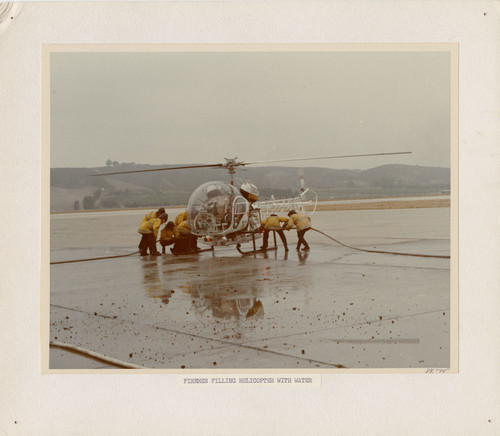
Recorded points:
(284, 205)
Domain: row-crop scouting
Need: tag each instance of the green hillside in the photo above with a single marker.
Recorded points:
(78, 189)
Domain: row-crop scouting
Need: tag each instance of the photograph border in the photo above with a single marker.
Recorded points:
(48, 49)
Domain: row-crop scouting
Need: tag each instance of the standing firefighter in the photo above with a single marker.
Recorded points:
(149, 230)
(273, 223)
(154, 214)
(302, 223)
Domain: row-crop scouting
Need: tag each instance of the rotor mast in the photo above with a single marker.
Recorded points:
(231, 165)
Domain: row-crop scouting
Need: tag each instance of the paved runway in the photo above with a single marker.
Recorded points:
(331, 307)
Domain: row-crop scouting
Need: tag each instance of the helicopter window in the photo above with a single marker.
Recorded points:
(213, 191)
(210, 207)
(240, 208)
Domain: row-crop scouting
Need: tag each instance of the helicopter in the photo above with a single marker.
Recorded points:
(220, 214)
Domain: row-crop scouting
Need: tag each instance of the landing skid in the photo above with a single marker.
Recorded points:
(184, 253)
(255, 250)
(261, 250)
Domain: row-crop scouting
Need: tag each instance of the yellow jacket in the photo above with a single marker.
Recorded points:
(300, 220)
(150, 226)
(149, 216)
(183, 216)
(273, 222)
(168, 234)
(183, 228)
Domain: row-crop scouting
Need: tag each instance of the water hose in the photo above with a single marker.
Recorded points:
(95, 356)
(379, 251)
(312, 228)
(94, 258)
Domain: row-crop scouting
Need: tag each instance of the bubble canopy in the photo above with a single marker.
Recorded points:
(217, 208)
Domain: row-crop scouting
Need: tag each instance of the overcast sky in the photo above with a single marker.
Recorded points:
(173, 108)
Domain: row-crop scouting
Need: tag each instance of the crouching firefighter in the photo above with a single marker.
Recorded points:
(184, 241)
(167, 235)
(149, 231)
(272, 223)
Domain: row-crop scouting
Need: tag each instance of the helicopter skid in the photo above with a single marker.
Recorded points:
(261, 250)
(180, 253)
(238, 240)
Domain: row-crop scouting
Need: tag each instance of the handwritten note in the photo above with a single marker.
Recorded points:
(436, 370)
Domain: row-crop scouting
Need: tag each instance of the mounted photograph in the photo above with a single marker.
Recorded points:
(250, 207)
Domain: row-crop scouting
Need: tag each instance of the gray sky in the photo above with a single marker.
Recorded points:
(173, 108)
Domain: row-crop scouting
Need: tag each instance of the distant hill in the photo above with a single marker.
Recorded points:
(76, 189)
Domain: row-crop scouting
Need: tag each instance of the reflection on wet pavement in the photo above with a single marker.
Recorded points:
(224, 295)
(324, 308)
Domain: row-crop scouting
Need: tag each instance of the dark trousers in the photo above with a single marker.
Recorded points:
(300, 234)
(148, 241)
(279, 232)
(164, 243)
(185, 244)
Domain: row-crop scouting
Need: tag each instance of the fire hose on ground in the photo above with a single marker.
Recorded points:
(379, 251)
(95, 356)
(94, 258)
(312, 228)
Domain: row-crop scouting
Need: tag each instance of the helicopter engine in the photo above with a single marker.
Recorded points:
(249, 191)
(219, 212)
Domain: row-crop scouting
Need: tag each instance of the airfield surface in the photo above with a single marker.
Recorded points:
(331, 307)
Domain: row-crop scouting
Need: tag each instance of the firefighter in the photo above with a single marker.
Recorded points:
(302, 223)
(149, 231)
(183, 216)
(272, 223)
(185, 241)
(154, 214)
(168, 235)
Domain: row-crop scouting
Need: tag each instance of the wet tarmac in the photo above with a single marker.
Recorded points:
(330, 307)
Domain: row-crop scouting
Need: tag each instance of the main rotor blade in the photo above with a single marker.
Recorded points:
(157, 169)
(324, 157)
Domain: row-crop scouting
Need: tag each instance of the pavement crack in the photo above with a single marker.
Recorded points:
(221, 341)
(350, 325)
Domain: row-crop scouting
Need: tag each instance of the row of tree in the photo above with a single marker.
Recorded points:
(89, 201)
(101, 199)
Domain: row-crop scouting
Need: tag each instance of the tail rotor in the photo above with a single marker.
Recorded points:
(301, 178)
